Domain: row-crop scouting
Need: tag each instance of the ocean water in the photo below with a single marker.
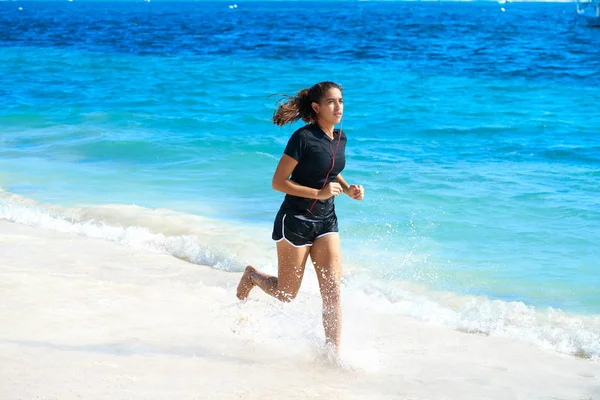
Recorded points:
(474, 130)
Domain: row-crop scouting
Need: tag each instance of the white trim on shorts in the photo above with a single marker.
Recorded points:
(325, 234)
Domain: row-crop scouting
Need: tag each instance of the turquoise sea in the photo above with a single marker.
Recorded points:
(474, 128)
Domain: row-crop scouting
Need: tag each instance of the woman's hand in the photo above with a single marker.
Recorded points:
(330, 190)
(357, 192)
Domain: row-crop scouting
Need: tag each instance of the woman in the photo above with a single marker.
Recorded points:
(309, 173)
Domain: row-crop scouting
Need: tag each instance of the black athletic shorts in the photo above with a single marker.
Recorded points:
(300, 231)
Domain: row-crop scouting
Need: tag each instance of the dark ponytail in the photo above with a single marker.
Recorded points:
(300, 106)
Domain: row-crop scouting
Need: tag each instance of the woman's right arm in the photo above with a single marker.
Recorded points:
(282, 182)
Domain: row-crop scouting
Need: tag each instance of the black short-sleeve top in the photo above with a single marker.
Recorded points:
(320, 160)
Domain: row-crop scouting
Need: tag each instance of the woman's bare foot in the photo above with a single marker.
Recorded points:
(332, 354)
(245, 285)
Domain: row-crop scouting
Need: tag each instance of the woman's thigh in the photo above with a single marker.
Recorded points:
(291, 262)
(326, 255)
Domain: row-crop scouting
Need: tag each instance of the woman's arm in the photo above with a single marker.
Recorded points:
(282, 182)
(357, 192)
(340, 179)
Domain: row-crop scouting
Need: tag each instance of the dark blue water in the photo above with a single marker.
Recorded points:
(536, 41)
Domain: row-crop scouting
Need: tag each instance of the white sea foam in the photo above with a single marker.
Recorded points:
(192, 238)
(229, 247)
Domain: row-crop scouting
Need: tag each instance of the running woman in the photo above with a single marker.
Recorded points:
(309, 173)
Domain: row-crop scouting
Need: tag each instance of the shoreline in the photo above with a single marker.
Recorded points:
(84, 317)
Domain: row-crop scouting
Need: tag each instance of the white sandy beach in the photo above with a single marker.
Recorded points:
(85, 318)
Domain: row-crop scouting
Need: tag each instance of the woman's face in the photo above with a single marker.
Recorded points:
(331, 107)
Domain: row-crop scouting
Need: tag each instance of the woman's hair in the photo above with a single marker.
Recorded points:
(300, 106)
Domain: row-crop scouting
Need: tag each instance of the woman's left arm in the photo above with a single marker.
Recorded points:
(357, 192)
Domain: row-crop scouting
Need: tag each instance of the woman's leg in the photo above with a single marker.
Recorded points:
(326, 255)
(291, 261)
